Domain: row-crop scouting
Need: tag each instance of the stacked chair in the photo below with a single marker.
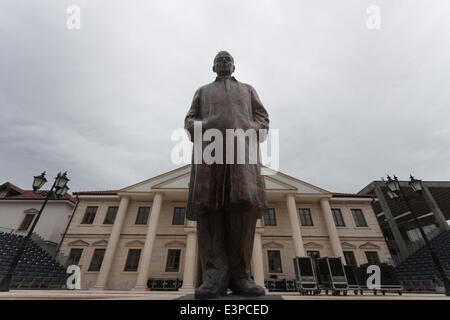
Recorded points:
(280, 285)
(164, 284)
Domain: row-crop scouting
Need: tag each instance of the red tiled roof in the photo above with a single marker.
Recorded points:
(31, 195)
(100, 192)
(352, 195)
(11, 186)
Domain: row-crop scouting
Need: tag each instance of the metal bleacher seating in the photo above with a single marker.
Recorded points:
(417, 273)
(36, 269)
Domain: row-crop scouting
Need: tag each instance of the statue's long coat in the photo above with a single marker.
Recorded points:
(226, 104)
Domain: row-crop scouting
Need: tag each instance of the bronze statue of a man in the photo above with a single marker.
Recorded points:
(226, 197)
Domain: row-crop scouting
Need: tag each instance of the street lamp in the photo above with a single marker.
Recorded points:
(39, 181)
(62, 191)
(395, 192)
(61, 180)
(61, 187)
(393, 184)
(415, 184)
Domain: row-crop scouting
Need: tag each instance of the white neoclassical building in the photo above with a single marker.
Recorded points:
(19, 208)
(121, 238)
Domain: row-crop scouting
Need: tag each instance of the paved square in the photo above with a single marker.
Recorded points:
(170, 295)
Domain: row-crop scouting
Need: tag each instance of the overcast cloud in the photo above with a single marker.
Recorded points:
(351, 104)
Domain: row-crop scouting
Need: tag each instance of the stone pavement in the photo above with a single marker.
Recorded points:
(171, 295)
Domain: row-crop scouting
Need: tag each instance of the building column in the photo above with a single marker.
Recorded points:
(190, 257)
(144, 264)
(257, 256)
(295, 226)
(400, 242)
(440, 219)
(112, 245)
(331, 228)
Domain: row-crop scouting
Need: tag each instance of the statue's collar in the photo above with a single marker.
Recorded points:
(224, 78)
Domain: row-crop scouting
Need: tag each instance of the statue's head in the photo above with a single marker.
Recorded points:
(223, 64)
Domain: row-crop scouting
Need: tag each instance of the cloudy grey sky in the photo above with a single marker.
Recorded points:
(351, 104)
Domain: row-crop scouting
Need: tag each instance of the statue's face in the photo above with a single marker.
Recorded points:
(223, 64)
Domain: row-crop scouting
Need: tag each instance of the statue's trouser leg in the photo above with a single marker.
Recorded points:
(212, 251)
(240, 233)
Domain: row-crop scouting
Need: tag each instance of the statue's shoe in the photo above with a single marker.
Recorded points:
(247, 288)
(206, 291)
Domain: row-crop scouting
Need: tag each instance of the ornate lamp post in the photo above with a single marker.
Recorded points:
(60, 187)
(395, 192)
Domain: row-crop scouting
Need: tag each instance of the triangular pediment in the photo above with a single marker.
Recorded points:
(312, 245)
(179, 179)
(272, 244)
(369, 245)
(100, 243)
(181, 182)
(135, 243)
(31, 210)
(346, 245)
(294, 183)
(273, 184)
(78, 243)
(175, 244)
(149, 184)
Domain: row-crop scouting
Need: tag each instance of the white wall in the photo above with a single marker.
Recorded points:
(52, 222)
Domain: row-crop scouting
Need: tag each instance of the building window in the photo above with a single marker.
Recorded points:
(313, 254)
(338, 219)
(350, 258)
(305, 217)
(269, 217)
(359, 218)
(97, 258)
(132, 260)
(111, 215)
(274, 261)
(372, 257)
(178, 216)
(74, 256)
(142, 215)
(173, 260)
(3, 194)
(27, 220)
(89, 216)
